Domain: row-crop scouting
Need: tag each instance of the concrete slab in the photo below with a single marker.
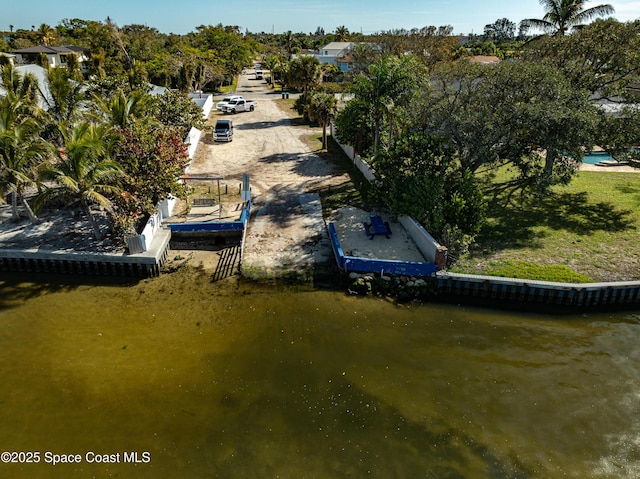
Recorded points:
(355, 242)
(286, 237)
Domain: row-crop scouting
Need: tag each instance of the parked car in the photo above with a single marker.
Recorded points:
(226, 100)
(223, 131)
(237, 106)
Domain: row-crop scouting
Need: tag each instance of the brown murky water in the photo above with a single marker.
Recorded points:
(177, 377)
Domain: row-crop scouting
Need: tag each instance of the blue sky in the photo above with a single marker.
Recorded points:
(368, 16)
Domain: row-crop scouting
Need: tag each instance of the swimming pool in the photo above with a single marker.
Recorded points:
(594, 157)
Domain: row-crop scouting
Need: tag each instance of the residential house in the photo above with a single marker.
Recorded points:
(336, 53)
(56, 56)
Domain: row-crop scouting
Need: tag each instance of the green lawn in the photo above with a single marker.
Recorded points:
(586, 231)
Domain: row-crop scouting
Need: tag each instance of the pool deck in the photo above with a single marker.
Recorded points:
(612, 168)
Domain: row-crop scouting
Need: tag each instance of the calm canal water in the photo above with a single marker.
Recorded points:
(228, 380)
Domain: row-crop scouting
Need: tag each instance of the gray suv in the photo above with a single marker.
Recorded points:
(223, 131)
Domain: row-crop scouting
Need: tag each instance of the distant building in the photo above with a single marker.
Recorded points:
(56, 56)
(339, 54)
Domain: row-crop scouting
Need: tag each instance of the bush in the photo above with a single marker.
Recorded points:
(419, 177)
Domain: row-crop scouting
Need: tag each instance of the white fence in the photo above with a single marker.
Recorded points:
(142, 242)
(427, 245)
(193, 138)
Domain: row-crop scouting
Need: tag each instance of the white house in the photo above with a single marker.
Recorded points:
(336, 53)
(56, 56)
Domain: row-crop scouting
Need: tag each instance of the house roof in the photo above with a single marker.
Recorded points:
(50, 50)
(41, 76)
(337, 46)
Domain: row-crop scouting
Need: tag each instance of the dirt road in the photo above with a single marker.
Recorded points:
(287, 235)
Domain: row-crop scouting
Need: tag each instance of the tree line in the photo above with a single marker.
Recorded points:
(437, 126)
(101, 147)
(205, 59)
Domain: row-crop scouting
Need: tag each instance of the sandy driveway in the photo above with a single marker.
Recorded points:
(265, 146)
(286, 235)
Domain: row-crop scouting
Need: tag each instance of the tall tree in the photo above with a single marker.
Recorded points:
(501, 30)
(123, 109)
(420, 176)
(388, 86)
(431, 44)
(45, 34)
(321, 107)
(525, 114)
(21, 152)
(154, 160)
(177, 111)
(83, 171)
(354, 126)
(363, 55)
(563, 15)
(289, 43)
(65, 101)
(603, 57)
(21, 91)
(21, 148)
(304, 73)
(342, 33)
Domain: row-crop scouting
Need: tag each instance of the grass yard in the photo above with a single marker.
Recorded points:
(586, 231)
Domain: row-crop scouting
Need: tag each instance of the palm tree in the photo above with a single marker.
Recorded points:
(83, 171)
(20, 90)
(304, 72)
(65, 101)
(273, 64)
(123, 109)
(342, 34)
(321, 107)
(21, 152)
(388, 86)
(562, 15)
(289, 42)
(21, 149)
(46, 34)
